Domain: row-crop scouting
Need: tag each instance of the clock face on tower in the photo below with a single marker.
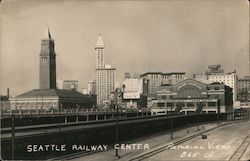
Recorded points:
(45, 49)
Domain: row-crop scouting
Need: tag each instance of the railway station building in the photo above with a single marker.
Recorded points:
(190, 96)
(48, 99)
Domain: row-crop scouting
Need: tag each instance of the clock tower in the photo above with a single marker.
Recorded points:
(47, 73)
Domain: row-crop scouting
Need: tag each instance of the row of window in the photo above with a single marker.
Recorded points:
(214, 88)
(208, 96)
(222, 77)
(165, 76)
(188, 104)
(44, 59)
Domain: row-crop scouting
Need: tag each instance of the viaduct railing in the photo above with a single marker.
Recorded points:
(67, 111)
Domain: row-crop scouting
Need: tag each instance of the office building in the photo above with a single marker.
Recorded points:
(216, 74)
(92, 87)
(4, 101)
(135, 92)
(67, 84)
(244, 89)
(157, 78)
(70, 85)
(105, 76)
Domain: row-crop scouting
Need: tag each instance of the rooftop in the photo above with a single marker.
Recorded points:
(61, 93)
(160, 73)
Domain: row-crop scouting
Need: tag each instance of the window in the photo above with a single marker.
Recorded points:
(211, 103)
(160, 104)
(216, 88)
(180, 104)
(190, 104)
(170, 104)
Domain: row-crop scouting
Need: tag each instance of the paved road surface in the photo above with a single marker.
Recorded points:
(220, 145)
(152, 142)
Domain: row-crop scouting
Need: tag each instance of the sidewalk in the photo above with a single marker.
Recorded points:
(152, 142)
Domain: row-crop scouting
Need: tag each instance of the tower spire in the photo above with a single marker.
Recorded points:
(49, 33)
(99, 43)
(99, 48)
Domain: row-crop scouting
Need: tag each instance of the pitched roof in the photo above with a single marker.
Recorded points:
(60, 93)
(190, 79)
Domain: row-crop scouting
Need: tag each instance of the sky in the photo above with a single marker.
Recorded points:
(139, 36)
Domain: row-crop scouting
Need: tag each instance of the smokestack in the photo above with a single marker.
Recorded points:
(8, 92)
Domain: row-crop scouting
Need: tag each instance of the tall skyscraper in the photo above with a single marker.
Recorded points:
(105, 75)
(47, 73)
(99, 53)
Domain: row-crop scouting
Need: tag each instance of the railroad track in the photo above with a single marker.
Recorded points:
(237, 155)
(143, 155)
(73, 156)
(162, 148)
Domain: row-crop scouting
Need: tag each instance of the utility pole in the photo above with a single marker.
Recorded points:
(42, 102)
(171, 128)
(36, 103)
(59, 116)
(116, 95)
(198, 121)
(12, 135)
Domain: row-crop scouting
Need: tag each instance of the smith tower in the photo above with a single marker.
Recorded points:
(105, 76)
(47, 75)
(99, 48)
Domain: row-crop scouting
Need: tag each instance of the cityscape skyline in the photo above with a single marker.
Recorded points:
(128, 44)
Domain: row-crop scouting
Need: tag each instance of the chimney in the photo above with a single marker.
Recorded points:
(8, 92)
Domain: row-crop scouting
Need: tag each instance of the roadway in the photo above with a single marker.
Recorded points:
(153, 142)
(230, 142)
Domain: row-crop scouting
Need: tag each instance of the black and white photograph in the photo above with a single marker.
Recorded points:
(125, 80)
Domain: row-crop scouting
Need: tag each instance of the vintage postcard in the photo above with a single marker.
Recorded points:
(125, 80)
